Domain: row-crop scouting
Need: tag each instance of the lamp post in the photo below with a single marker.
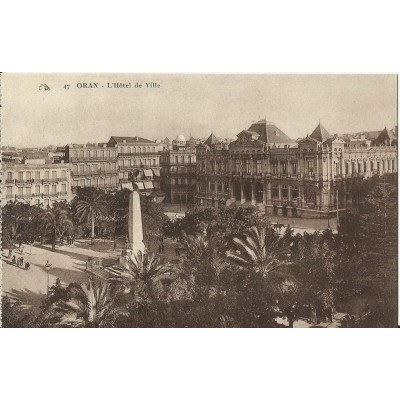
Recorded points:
(48, 270)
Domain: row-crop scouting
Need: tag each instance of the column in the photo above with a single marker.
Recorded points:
(269, 200)
(264, 193)
(253, 197)
(232, 185)
(242, 199)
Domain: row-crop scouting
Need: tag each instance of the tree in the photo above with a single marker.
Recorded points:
(313, 268)
(19, 223)
(57, 221)
(259, 249)
(90, 205)
(146, 267)
(97, 304)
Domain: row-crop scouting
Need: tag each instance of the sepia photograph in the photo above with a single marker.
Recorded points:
(199, 200)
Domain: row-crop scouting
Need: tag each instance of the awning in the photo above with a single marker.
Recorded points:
(148, 172)
(139, 185)
(126, 186)
(148, 185)
(156, 172)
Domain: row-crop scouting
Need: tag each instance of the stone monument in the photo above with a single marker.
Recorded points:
(135, 229)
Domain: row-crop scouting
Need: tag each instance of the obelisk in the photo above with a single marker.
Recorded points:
(135, 228)
(135, 231)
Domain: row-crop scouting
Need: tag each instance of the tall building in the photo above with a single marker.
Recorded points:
(264, 167)
(178, 172)
(36, 183)
(93, 165)
(138, 161)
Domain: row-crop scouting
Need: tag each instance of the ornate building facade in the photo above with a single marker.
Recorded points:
(178, 172)
(138, 161)
(264, 167)
(38, 183)
(93, 165)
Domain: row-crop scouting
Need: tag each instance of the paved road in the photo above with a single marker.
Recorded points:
(67, 263)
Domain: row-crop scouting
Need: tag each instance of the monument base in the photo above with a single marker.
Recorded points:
(131, 250)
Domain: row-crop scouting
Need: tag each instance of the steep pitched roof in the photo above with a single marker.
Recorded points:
(131, 139)
(369, 135)
(269, 132)
(320, 133)
(212, 139)
(386, 134)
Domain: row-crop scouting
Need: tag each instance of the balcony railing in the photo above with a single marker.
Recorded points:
(90, 173)
(86, 159)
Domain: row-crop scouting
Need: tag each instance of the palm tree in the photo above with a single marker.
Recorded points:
(57, 221)
(90, 205)
(93, 305)
(198, 247)
(146, 267)
(260, 249)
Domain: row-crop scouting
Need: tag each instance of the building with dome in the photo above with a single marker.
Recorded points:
(310, 177)
(178, 171)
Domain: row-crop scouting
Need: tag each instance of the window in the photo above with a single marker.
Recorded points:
(54, 175)
(392, 165)
(54, 189)
(365, 166)
(46, 189)
(258, 168)
(28, 175)
(20, 191)
(182, 159)
(64, 188)
(9, 176)
(378, 166)
(372, 166)
(310, 167)
(46, 174)
(275, 191)
(383, 165)
(247, 166)
(20, 176)
(274, 168)
(295, 192)
(353, 167)
(284, 167)
(9, 191)
(28, 191)
(284, 191)
(63, 174)
(37, 175)
(37, 190)
(190, 159)
(237, 165)
(294, 168)
(346, 167)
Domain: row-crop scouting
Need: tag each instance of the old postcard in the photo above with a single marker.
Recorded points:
(134, 200)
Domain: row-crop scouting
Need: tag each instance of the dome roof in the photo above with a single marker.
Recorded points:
(180, 138)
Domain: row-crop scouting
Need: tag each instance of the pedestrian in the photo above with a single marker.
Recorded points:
(27, 266)
(14, 260)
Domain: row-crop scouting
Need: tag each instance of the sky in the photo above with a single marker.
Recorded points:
(189, 104)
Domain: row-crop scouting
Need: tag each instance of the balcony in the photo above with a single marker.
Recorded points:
(145, 154)
(94, 173)
(97, 159)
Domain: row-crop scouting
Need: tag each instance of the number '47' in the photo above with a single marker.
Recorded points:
(66, 87)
